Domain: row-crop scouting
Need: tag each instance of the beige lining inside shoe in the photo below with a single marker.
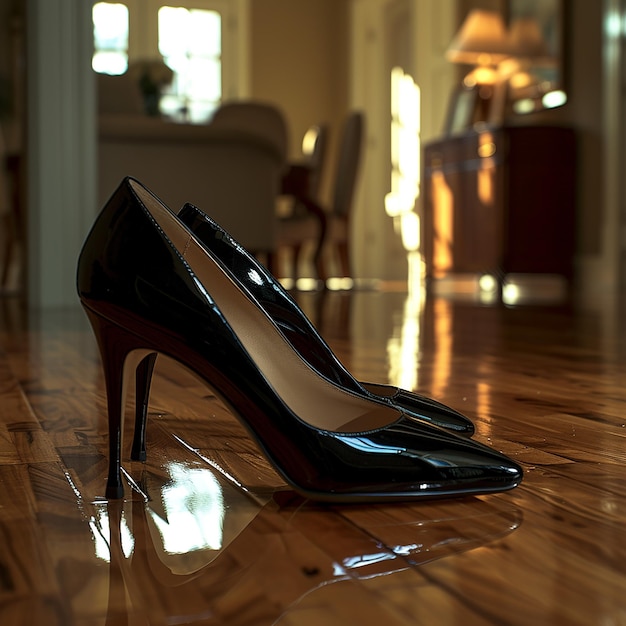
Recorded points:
(312, 398)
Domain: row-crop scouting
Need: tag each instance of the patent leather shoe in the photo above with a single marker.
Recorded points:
(148, 286)
(302, 334)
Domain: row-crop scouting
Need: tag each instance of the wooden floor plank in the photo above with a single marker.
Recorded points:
(208, 533)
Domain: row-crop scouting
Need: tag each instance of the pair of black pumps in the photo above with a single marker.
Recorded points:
(155, 282)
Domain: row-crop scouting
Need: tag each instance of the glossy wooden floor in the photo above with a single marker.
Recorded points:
(208, 534)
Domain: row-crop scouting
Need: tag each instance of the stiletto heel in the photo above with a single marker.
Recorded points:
(119, 360)
(298, 329)
(143, 378)
(149, 286)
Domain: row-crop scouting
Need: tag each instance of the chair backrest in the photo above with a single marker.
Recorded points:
(257, 118)
(314, 144)
(247, 167)
(348, 163)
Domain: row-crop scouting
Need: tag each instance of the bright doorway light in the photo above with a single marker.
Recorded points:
(405, 163)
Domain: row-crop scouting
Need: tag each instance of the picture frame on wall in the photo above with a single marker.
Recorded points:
(461, 110)
(536, 30)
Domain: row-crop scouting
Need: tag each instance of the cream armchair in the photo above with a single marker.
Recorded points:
(230, 168)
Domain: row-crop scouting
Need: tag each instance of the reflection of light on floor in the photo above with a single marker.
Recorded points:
(364, 560)
(403, 347)
(483, 409)
(489, 289)
(307, 284)
(338, 283)
(101, 534)
(442, 316)
(510, 293)
(520, 289)
(194, 510)
(189, 517)
(516, 289)
(487, 283)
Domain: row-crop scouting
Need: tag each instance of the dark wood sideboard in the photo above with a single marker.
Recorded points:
(500, 201)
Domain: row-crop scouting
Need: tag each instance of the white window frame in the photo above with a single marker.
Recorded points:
(143, 36)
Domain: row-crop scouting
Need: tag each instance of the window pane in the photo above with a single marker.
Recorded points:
(205, 33)
(110, 34)
(190, 41)
(191, 31)
(172, 30)
(204, 79)
(171, 105)
(200, 111)
(110, 62)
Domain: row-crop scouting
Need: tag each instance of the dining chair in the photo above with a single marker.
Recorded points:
(328, 227)
(314, 150)
(250, 179)
(303, 177)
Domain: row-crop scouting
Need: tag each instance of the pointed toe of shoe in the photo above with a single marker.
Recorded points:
(407, 460)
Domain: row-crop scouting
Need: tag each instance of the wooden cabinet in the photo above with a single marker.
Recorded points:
(500, 201)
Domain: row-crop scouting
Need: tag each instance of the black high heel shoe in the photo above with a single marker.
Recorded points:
(148, 286)
(301, 333)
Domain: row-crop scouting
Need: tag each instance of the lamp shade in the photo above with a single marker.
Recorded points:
(526, 39)
(482, 40)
